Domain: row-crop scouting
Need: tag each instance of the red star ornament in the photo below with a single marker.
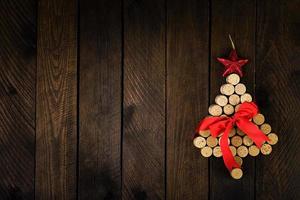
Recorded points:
(233, 64)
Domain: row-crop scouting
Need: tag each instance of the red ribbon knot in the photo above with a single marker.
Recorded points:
(219, 125)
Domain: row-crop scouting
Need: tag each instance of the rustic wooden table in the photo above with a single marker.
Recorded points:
(99, 99)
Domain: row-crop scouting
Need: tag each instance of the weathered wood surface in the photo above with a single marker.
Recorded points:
(56, 100)
(187, 97)
(100, 99)
(143, 166)
(17, 98)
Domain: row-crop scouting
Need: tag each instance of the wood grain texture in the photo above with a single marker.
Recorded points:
(100, 99)
(144, 100)
(56, 100)
(187, 97)
(238, 19)
(17, 98)
(147, 74)
(277, 80)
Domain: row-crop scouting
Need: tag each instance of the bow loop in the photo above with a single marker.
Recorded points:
(216, 125)
(246, 110)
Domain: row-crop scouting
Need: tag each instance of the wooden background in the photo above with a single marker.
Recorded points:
(99, 98)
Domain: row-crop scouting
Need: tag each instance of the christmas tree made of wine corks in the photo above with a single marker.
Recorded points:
(226, 110)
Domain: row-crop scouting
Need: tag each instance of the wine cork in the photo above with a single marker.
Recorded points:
(242, 151)
(236, 141)
(219, 142)
(232, 132)
(227, 89)
(206, 151)
(234, 99)
(236, 173)
(211, 141)
(265, 128)
(199, 142)
(221, 100)
(266, 149)
(259, 119)
(253, 150)
(240, 89)
(273, 138)
(217, 152)
(236, 108)
(233, 79)
(239, 132)
(228, 109)
(246, 97)
(247, 141)
(233, 150)
(215, 110)
(239, 160)
(205, 133)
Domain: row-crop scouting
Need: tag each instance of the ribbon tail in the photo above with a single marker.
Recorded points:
(228, 158)
(255, 134)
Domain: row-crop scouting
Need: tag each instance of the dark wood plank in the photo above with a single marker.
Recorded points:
(56, 100)
(100, 99)
(278, 94)
(17, 98)
(187, 97)
(144, 100)
(238, 19)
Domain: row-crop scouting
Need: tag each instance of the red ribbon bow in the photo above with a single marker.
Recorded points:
(241, 119)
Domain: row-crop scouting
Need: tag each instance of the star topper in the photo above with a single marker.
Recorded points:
(233, 64)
